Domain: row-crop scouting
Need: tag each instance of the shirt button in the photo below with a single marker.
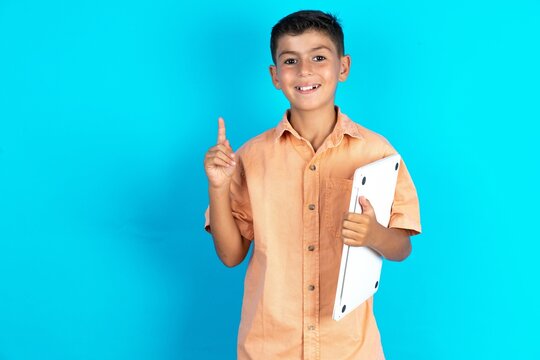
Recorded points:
(311, 327)
(311, 207)
(311, 287)
(311, 247)
(312, 167)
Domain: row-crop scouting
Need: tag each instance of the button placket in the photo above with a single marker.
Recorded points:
(312, 167)
(311, 261)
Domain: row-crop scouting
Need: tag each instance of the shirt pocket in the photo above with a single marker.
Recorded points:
(336, 200)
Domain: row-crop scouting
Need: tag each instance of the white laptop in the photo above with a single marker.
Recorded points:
(360, 269)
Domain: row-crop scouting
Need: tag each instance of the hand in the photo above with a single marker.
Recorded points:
(219, 161)
(362, 229)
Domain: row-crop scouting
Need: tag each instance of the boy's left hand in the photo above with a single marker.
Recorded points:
(361, 229)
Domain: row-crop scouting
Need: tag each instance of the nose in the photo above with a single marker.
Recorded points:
(305, 68)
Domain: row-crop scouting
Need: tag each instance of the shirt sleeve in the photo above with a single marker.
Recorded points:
(405, 209)
(240, 202)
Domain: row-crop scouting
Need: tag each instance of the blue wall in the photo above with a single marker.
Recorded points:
(106, 112)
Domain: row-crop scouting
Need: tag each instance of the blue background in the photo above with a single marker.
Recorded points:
(106, 112)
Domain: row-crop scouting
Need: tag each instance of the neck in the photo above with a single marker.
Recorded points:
(315, 125)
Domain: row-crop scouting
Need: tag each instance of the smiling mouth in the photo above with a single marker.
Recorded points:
(307, 88)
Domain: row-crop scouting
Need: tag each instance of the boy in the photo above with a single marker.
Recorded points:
(287, 191)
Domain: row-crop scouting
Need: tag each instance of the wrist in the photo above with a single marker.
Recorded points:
(380, 235)
(219, 189)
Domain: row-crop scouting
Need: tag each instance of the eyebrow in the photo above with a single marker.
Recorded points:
(297, 53)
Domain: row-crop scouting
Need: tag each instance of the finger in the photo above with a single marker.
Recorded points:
(222, 163)
(219, 151)
(220, 148)
(352, 225)
(353, 241)
(210, 157)
(354, 217)
(228, 145)
(221, 131)
(348, 234)
(225, 150)
(349, 241)
(225, 158)
(366, 205)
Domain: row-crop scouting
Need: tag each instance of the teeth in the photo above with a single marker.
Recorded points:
(305, 88)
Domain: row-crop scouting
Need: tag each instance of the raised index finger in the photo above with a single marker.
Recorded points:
(221, 131)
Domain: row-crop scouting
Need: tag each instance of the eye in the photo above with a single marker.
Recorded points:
(290, 61)
(319, 58)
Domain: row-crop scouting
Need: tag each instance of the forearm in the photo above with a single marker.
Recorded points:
(392, 243)
(230, 246)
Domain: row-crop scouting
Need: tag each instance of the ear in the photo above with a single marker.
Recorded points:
(273, 75)
(344, 67)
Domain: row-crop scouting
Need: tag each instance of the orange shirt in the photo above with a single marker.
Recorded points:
(290, 201)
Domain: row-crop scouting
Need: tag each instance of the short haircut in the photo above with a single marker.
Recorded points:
(301, 21)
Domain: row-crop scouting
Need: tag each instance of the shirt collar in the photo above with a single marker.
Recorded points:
(344, 125)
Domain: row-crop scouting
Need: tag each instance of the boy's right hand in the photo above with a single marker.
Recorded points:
(219, 161)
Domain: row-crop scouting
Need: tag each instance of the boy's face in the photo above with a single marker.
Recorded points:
(308, 68)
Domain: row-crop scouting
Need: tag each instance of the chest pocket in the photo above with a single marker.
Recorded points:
(336, 199)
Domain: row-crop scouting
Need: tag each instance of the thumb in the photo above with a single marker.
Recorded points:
(228, 144)
(366, 206)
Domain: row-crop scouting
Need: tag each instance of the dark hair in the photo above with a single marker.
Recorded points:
(301, 21)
